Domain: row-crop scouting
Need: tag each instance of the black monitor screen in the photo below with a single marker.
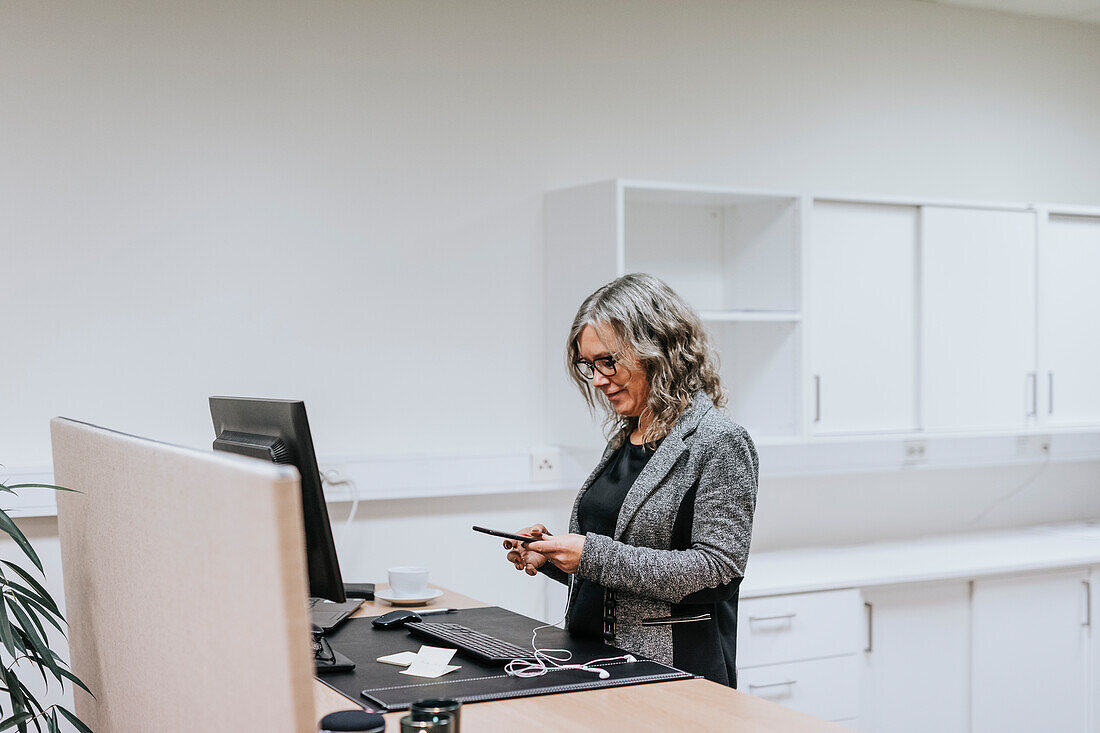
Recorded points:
(278, 431)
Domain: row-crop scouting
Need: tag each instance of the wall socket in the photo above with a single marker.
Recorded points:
(545, 464)
(914, 451)
(1032, 446)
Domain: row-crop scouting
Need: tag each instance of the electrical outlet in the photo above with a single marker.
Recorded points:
(914, 451)
(1032, 446)
(545, 464)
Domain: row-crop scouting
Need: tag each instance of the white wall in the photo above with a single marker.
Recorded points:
(341, 201)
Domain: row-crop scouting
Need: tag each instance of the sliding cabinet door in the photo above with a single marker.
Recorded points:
(977, 319)
(862, 321)
(1070, 311)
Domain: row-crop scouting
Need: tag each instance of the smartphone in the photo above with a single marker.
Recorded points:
(509, 535)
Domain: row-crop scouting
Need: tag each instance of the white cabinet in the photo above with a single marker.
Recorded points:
(800, 651)
(1030, 653)
(824, 688)
(1069, 313)
(862, 319)
(977, 337)
(915, 675)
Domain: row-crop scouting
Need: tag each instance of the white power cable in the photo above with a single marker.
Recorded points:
(1015, 492)
(332, 477)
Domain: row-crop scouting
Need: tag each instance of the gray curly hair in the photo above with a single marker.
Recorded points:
(656, 330)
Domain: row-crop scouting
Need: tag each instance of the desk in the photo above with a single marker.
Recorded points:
(695, 705)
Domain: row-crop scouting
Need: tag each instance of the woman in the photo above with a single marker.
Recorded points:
(660, 531)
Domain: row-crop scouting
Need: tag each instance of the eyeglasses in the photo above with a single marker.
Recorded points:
(605, 365)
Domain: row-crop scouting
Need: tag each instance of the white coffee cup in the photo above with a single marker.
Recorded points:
(408, 582)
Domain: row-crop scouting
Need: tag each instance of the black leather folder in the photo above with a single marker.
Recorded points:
(383, 688)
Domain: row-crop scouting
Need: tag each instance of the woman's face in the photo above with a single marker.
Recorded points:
(627, 388)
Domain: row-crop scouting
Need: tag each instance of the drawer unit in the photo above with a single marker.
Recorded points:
(798, 627)
(824, 688)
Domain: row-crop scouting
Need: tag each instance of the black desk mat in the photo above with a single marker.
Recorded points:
(383, 688)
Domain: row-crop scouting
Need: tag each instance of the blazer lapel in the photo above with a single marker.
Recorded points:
(661, 462)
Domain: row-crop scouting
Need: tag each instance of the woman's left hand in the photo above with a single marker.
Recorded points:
(562, 550)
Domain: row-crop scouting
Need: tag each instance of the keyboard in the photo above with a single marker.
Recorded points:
(482, 647)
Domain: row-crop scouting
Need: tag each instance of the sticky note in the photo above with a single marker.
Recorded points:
(420, 669)
(431, 662)
(401, 659)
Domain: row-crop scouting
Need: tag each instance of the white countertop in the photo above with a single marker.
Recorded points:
(944, 557)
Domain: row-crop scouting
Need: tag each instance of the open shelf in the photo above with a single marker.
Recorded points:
(722, 251)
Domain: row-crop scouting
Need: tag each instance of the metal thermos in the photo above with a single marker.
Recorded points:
(434, 710)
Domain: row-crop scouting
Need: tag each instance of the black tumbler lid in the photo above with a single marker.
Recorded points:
(359, 721)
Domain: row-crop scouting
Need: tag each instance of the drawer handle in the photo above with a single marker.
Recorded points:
(782, 617)
(788, 683)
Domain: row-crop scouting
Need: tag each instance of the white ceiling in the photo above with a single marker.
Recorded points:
(1086, 11)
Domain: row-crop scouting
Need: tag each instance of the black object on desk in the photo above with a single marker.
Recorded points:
(359, 590)
(353, 720)
(385, 688)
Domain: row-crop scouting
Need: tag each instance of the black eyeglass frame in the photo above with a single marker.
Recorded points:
(587, 369)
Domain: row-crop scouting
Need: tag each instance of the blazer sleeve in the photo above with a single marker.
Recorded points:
(550, 570)
(720, 533)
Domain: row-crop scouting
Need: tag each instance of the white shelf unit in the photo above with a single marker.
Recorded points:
(734, 255)
(852, 318)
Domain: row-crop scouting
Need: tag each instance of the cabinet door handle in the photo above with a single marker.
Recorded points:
(817, 398)
(870, 626)
(1033, 380)
(1050, 393)
(781, 617)
(1088, 603)
(787, 683)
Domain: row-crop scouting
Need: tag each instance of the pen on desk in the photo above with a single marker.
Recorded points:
(433, 611)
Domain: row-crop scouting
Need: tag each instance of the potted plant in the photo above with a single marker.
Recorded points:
(25, 608)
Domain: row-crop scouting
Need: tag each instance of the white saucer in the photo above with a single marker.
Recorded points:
(397, 600)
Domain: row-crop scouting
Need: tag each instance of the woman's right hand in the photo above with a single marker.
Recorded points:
(520, 556)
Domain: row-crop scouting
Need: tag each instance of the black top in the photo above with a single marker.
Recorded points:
(599, 513)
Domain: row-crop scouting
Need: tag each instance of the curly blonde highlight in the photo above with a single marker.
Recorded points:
(656, 330)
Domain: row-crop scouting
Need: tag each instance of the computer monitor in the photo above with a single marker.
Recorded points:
(278, 431)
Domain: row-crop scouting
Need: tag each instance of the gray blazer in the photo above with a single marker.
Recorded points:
(714, 460)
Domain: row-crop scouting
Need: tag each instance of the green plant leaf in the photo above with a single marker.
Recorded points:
(76, 681)
(21, 590)
(32, 655)
(42, 612)
(5, 631)
(34, 584)
(36, 642)
(16, 693)
(15, 720)
(53, 722)
(77, 722)
(17, 600)
(9, 526)
(39, 486)
(32, 705)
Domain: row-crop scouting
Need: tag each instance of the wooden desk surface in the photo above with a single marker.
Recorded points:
(685, 705)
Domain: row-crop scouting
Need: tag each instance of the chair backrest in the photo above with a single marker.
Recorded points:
(185, 586)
